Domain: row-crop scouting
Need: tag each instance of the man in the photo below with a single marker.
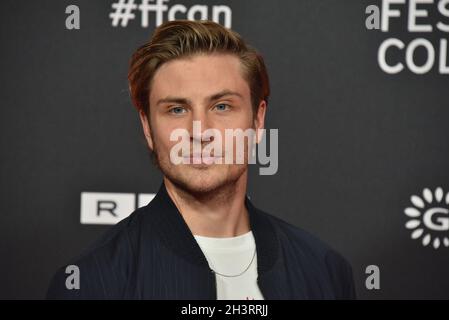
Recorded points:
(201, 237)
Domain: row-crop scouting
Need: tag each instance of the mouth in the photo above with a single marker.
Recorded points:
(200, 159)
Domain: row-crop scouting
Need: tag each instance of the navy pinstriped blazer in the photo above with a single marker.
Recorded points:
(153, 255)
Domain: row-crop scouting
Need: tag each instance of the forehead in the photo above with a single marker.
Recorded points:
(198, 76)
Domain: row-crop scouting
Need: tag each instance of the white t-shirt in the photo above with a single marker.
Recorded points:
(231, 256)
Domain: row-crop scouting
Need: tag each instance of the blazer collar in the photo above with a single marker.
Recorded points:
(174, 232)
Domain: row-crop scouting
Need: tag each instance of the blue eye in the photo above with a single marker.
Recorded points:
(177, 110)
(222, 107)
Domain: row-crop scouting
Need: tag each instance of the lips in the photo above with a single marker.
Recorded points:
(200, 159)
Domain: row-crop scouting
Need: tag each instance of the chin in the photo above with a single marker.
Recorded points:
(203, 179)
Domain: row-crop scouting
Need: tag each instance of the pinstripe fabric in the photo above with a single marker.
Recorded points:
(153, 255)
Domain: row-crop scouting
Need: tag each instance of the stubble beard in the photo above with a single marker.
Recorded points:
(201, 182)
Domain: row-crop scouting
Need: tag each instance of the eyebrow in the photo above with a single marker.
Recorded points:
(215, 96)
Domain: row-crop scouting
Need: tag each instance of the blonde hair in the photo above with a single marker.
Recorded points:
(183, 38)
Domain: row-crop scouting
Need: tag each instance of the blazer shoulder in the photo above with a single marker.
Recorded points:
(318, 253)
(298, 236)
(101, 270)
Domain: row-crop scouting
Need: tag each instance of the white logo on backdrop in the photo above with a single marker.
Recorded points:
(111, 207)
(429, 218)
(158, 11)
(427, 19)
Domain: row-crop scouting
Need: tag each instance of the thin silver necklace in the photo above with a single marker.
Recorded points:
(235, 275)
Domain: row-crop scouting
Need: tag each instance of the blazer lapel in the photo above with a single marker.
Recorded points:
(174, 233)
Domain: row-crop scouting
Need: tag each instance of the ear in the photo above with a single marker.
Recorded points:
(146, 128)
(259, 120)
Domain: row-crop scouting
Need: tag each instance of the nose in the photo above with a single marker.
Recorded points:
(200, 123)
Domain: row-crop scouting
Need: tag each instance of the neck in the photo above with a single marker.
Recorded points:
(221, 214)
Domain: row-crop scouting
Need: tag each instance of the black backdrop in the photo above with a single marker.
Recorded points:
(355, 143)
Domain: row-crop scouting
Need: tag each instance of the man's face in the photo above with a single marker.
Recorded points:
(206, 88)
